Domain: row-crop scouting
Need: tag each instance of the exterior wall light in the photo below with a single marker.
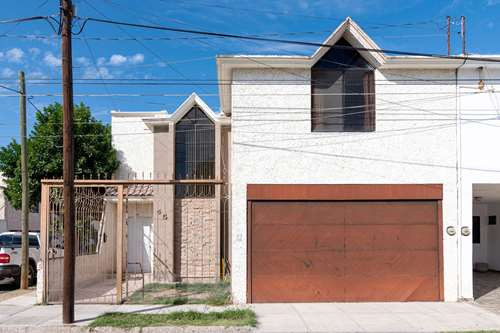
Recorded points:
(465, 231)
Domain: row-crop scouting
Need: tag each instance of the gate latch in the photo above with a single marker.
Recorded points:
(451, 231)
(465, 231)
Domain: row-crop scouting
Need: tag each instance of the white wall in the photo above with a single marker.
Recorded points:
(133, 141)
(494, 238)
(3, 208)
(10, 218)
(480, 251)
(480, 159)
(272, 143)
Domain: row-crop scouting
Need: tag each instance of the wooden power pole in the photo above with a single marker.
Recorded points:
(24, 185)
(68, 165)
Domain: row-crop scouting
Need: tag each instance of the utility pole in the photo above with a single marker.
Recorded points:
(68, 165)
(24, 185)
(462, 21)
(448, 26)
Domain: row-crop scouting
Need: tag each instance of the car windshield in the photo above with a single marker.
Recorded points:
(10, 240)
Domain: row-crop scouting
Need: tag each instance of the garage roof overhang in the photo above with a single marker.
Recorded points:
(344, 192)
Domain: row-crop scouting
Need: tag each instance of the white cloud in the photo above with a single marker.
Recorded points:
(120, 59)
(34, 51)
(92, 73)
(83, 61)
(117, 60)
(51, 60)
(37, 75)
(7, 73)
(137, 58)
(14, 55)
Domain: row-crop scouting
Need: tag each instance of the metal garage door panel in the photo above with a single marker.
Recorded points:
(299, 263)
(375, 264)
(275, 237)
(393, 288)
(391, 237)
(293, 288)
(344, 251)
(301, 212)
(391, 212)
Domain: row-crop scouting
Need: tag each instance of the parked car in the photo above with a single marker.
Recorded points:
(10, 256)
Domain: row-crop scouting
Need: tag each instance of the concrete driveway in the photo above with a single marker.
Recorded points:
(374, 317)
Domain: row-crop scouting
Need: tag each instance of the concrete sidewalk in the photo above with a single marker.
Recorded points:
(20, 315)
(374, 317)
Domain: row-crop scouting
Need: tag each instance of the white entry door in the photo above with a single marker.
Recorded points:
(140, 244)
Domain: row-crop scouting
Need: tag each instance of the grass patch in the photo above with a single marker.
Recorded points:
(183, 293)
(225, 318)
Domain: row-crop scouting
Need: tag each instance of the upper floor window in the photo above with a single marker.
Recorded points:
(195, 153)
(342, 92)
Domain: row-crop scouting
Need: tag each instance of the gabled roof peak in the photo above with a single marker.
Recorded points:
(352, 32)
(188, 104)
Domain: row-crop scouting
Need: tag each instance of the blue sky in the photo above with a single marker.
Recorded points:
(386, 21)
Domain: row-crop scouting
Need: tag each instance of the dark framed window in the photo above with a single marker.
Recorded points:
(195, 153)
(342, 92)
(492, 220)
(476, 229)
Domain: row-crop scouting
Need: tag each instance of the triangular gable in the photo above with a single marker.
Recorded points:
(353, 34)
(188, 104)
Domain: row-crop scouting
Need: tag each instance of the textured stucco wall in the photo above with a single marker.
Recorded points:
(272, 143)
(133, 141)
(479, 158)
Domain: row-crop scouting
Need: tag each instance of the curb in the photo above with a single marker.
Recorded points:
(158, 329)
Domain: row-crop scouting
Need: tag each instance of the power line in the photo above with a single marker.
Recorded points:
(24, 19)
(246, 95)
(252, 81)
(375, 25)
(285, 41)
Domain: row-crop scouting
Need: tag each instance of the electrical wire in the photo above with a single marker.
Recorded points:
(285, 41)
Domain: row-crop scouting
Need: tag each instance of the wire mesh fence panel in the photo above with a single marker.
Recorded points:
(95, 242)
(172, 249)
(175, 247)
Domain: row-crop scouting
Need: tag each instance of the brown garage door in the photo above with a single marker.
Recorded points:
(317, 251)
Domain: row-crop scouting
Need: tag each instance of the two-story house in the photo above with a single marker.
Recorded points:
(177, 233)
(355, 173)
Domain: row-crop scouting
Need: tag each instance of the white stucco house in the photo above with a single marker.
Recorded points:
(176, 233)
(355, 174)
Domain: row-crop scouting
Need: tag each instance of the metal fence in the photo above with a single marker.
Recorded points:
(136, 241)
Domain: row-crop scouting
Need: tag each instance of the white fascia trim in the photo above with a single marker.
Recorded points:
(353, 33)
(414, 62)
(188, 104)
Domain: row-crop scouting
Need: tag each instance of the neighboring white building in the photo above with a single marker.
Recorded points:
(10, 218)
(3, 206)
(330, 204)
(178, 233)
